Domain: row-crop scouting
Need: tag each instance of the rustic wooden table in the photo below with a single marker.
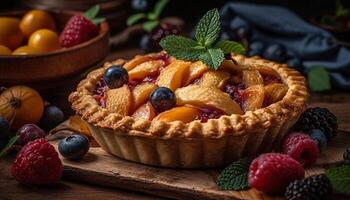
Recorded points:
(337, 102)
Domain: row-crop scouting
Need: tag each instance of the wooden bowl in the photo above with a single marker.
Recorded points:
(43, 71)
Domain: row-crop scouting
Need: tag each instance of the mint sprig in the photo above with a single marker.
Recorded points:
(340, 178)
(235, 176)
(205, 48)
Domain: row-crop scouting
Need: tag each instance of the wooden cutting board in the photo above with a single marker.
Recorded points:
(101, 168)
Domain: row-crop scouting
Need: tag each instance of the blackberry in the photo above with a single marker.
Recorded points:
(318, 118)
(316, 187)
(346, 156)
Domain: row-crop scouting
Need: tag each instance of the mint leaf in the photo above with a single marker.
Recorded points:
(340, 178)
(10, 143)
(135, 18)
(150, 25)
(319, 80)
(159, 7)
(235, 176)
(181, 47)
(92, 12)
(208, 28)
(230, 46)
(212, 58)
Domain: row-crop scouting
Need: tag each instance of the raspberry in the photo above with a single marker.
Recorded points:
(272, 172)
(317, 187)
(37, 163)
(318, 118)
(77, 30)
(300, 147)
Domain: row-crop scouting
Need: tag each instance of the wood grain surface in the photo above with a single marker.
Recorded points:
(101, 168)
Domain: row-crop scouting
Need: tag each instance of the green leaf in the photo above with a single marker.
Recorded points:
(135, 18)
(208, 28)
(9, 145)
(98, 20)
(150, 25)
(230, 47)
(319, 80)
(92, 12)
(340, 10)
(212, 58)
(340, 178)
(159, 7)
(181, 47)
(235, 176)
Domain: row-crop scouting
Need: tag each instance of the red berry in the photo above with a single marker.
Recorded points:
(29, 132)
(77, 30)
(300, 147)
(272, 172)
(37, 163)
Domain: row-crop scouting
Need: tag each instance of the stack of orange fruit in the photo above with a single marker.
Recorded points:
(35, 33)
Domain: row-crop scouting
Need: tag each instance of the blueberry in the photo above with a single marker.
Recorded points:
(116, 76)
(256, 48)
(139, 5)
(163, 99)
(294, 62)
(4, 129)
(29, 132)
(319, 137)
(52, 117)
(275, 52)
(74, 147)
(146, 43)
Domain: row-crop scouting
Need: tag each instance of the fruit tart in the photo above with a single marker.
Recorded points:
(159, 110)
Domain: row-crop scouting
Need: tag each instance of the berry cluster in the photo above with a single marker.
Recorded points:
(283, 172)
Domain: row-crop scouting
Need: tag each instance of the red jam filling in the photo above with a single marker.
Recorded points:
(99, 92)
(209, 113)
(269, 79)
(236, 93)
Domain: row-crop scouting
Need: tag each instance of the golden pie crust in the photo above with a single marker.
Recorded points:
(195, 144)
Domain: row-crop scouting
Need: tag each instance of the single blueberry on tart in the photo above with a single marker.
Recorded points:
(190, 107)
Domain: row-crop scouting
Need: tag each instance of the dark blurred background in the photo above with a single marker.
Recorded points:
(192, 10)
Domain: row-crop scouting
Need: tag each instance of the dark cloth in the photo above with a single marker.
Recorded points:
(275, 24)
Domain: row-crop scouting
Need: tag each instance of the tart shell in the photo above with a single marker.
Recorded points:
(195, 144)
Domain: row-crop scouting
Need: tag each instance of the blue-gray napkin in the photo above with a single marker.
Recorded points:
(275, 24)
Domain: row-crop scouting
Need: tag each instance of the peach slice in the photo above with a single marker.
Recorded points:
(275, 92)
(119, 100)
(252, 77)
(146, 111)
(145, 69)
(214, 78)
(266, 71)
(196, 70)
(183, 113)
(254, 97)
(141, 93)
(171, 76)
(137, 61)
(204, 97)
